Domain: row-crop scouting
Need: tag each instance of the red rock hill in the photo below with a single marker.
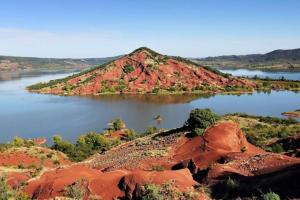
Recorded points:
(144, 71)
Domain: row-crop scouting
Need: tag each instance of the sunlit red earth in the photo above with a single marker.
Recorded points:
(219, 151)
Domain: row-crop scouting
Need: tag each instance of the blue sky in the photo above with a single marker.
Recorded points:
(191, 28)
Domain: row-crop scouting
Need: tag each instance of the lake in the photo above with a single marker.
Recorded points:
(263, 74)
(31, 115)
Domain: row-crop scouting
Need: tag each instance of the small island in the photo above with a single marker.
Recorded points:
(145, 71)
(295, 113)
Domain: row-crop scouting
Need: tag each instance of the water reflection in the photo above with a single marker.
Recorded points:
(7, 76)
(35, 115)
(154, 99)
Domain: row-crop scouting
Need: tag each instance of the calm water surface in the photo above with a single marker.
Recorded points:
(263, 74)
(34, 115)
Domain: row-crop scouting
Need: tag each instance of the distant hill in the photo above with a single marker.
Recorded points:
(30, 64)
(143, 71)
(278, 59)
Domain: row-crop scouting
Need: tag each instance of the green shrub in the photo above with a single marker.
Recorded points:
(231, 184)
(17, 141)
(76, 190)
(198, 131)
(166, 191)
(270, 196)
(200, 119)
(63, 145)
(133, 79)
(7, 193)
(155, 90)
(128, 69)
(130, 134)
(151, 130)
(276, 120)
(157, 168)
(85, 145)
(244, 149)
(118, 124)
(151, 192)
(277, 148)
(120, 87)
(20, 142)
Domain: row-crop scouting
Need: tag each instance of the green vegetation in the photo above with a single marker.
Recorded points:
(153, 53)
(244, 149)
(20, 142)
(133, 79)
(265, 84)
(52, 83)
(76, 190)
(157, 168)
(266, 132)
(128, 69)
(166, 191)
(7, 193)
(267, 119)
(155, 90)
(92, 142)
(231, 184)
(275, 60)
(260, 135)
(189, 62)
(17, 142)
(130, 134)
(200, 119)
(117, 124)
(85, 145)
(205, 88)
(88, 79)
(270, 196)
(151, 130)
(51, 64)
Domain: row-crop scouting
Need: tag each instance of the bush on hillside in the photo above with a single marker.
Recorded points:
(270, 196)
(75, 190)
(130, 134)
(128, 69)
(85, 145)
(150, 130)
(118, 124)
(166, 191)
(200, 119)
(7, 192)
(20, 142)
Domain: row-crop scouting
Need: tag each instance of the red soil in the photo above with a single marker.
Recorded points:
(219, 149)
(15, 178)
(149, 72)
(104, 185)
(217, 142)
(18, 158)
(15, 159)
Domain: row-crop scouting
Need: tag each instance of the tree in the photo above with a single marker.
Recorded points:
(18, 141)
(118, 124)
(200, 119)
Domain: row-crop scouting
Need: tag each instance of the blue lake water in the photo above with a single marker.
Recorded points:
(263, 74)
(35, 115)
